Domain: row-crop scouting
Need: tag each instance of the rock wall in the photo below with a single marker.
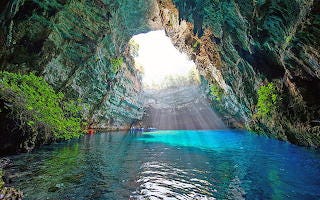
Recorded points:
(242, 45)
(81, 48)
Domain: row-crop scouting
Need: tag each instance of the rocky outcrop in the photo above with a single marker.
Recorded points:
(242, 45)
(81, 48)
(203, 51)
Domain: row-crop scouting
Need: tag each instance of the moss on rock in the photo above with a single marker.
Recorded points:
(36, 108)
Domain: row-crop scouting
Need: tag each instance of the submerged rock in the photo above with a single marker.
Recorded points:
(73, 178)
(53, 189)
(7, 193)
(10, 194)
(5, 162)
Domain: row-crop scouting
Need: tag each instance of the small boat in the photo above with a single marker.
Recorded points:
(151, 129)
(90, 131)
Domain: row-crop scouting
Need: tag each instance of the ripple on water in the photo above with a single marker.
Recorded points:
(164, 181)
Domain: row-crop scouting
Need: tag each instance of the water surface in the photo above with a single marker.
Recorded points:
(169, 165)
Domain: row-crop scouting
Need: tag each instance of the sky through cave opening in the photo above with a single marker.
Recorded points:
(163, 65)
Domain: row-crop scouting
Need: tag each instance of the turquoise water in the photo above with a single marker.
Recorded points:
(169, 165)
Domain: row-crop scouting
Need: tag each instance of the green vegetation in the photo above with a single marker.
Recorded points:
(196, 45)
(217, 92)
(1, 180)
(288, 39)
(37, 106)
(268, 99)
(116, 64)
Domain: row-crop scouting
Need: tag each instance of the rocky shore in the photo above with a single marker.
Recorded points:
(7, 193)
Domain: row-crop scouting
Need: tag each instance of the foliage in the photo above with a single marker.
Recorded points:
(1, 180)
(116, 64)
(216, 91)
(288, 39)
(196, 45)
(268, 99)
(36, 104)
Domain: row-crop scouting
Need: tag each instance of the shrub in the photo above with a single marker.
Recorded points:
(36, 105)
(268, 99)
(216, 91)
(116, 64)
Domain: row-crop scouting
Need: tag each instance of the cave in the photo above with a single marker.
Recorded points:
(159, 99)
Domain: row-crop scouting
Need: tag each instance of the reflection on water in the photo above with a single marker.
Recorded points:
(169, 165)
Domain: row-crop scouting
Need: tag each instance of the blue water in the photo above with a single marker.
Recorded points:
(169, 165)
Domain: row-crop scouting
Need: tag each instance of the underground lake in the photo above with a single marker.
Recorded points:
(173, 164)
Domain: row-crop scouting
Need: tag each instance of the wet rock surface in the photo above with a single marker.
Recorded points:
(242, 45)
(81, 49)
(7, 193)
(75, 46)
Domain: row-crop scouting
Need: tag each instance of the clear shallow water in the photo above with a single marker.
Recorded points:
(169, 165)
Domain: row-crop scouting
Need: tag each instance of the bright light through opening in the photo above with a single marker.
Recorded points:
(160, 59)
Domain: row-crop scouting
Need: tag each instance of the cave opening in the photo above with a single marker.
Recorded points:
(173, 99)
(162, 65)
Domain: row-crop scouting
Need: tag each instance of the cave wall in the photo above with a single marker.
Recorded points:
(237, 45)
(81, 48)
(242, 45)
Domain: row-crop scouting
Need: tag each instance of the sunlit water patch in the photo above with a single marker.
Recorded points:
(169, 165)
